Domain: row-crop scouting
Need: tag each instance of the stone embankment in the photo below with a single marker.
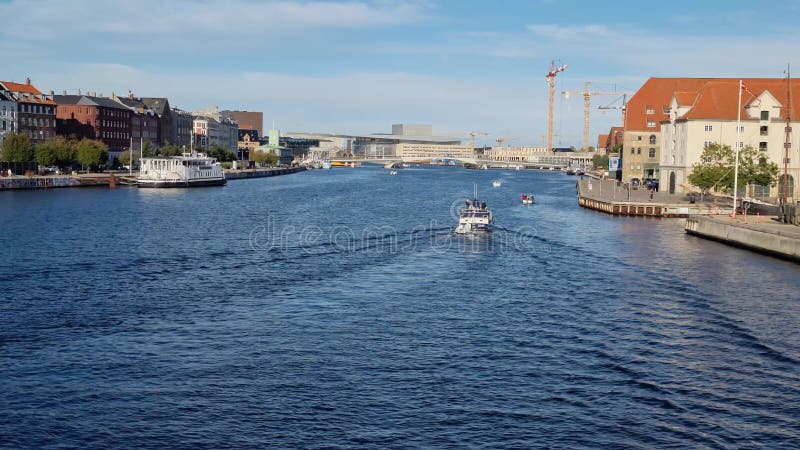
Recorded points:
(761, 234)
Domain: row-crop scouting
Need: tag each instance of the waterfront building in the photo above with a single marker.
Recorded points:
(166, 126)
(644, 112)
(8, 115)
(708, 115)
(144, 121)
(91, 117)
(211, 127)
(248, 141)
(35, 112)
(515, 154)
(252, 120)
(182, 123)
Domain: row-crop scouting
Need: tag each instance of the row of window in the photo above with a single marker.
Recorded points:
(652, 139)
(37, 122)
(36, 109)
(638, 151)
(115, 135)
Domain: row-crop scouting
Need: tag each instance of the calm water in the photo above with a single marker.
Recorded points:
(334, 309)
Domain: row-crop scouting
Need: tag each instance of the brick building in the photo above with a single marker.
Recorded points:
(253, 120)
(83, 116)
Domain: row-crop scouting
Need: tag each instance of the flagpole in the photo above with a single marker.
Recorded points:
(736, 158)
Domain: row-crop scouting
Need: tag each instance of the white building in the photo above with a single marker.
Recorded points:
(8, 116)
(708, 115)
(211, 127)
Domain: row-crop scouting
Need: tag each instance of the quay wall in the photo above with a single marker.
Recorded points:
(260, 173)
(775, 243)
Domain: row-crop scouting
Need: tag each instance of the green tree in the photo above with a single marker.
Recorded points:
(716, 169)
(65, 151)
(149, 150)
(45, 154)
(170, 150)
(261, 157)
(221, 153)
(91, 153)
(124, 158)
(617, 148)
(17, 148)
(600, 161)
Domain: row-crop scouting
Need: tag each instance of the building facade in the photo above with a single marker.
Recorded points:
(253, 120)
(709, 115)
(212, 127)
(248, 141)
(8, 115)
(144, 122)
(182, 123)
(166, 129)
(83, 116)
(35, 112)
(641, 141)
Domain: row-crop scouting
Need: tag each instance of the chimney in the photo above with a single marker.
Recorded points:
(28, 81)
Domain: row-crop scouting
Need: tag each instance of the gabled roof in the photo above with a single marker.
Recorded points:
(157, 104)
(655, 95)
(719, 98)
(20, 87)
(685, 98)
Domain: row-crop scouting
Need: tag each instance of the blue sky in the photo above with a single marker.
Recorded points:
(359, 66)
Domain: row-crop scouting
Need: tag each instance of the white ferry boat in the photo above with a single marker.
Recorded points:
(475, 217)
(188, 170)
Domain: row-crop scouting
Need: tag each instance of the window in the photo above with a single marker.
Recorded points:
(764, 115)
(706, 144)
(651, 123)
(709, 128)
(764, 130)
(639, 151)
(762, 146)
(652, 153)
(652, 139)
(638, 138)
(650, 110)
(741, 129)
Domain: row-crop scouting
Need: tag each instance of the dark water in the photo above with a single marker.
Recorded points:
(333, 309)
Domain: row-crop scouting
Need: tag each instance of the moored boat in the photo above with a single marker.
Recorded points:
(187, 170)
(527, 199)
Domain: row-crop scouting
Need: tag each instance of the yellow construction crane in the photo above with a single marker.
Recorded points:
(472, 135)
(587, 104)
(551, 82)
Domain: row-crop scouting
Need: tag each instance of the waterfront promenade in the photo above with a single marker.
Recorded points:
(615, 198)
(20, 182)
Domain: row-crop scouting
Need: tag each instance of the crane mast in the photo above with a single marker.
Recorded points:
(551, 82)
(587, 104)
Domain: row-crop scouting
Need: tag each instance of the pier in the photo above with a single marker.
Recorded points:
(760, 234)
(621, 199)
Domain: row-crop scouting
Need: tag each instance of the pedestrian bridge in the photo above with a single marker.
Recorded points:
(472, 162)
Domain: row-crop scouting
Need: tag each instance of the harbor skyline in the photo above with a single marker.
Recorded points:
(354, 66)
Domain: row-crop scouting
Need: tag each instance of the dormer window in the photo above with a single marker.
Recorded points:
(764, 115)
(650, 110)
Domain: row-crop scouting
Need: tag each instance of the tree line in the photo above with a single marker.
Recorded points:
(91, 154)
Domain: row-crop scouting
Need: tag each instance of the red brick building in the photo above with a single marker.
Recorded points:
(83, 116)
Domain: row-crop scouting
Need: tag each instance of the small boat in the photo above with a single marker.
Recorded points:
(474, 217)
(496, 183)
(187, 170)
(326, 165)
(527, 199)
(393, 172)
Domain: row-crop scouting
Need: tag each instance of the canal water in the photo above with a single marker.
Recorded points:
(335, 309)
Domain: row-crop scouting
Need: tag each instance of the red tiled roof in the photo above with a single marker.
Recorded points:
(685, 98)
(718, 99)
(21, 87)
(655, 95)
(710, 98)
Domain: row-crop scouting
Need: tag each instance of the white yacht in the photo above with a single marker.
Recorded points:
(187, 170)
(475, 217)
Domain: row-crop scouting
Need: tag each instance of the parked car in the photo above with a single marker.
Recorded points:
(651, 183)
(635, 182)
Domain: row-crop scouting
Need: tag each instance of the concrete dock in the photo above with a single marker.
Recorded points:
(611, 197)
(760, 234)
(243, 174)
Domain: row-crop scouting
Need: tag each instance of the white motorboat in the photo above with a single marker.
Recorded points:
(187, 170)
(474, 217)
(393, 172)
(496, 183)
(527, 199)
